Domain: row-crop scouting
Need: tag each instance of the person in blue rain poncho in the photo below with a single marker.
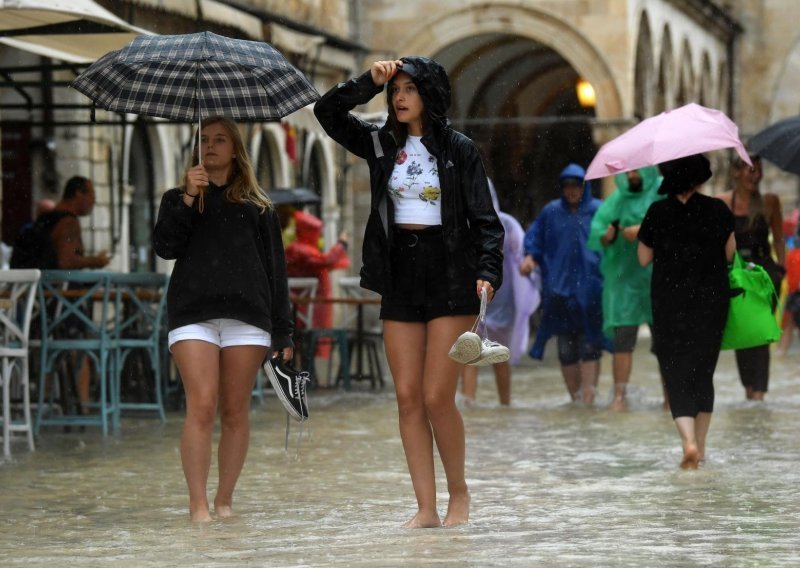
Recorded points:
(571, 283)
(626, 284)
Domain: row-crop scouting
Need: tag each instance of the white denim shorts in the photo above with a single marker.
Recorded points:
(222, 332)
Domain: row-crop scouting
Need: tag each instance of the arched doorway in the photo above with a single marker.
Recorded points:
(516, 98)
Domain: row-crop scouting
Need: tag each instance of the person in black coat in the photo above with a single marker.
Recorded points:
(227, 303)
(689, 239)
(432, 243)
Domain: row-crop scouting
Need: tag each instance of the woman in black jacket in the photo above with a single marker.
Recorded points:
(227, 303)
(432, 243)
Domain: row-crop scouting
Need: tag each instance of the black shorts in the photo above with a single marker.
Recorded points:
(419, 279)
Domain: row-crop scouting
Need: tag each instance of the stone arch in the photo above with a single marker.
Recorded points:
(706, 94)
(529, 23)
(723, 87)
(267, 143)
(686, 76)
(643, 70)
(663, 98)
(515, 70)
(787, 85)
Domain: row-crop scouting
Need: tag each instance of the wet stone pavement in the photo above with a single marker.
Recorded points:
(552, 485)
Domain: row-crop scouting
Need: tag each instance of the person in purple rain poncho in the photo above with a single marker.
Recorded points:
(508, 315)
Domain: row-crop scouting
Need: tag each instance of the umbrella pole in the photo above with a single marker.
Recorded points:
(199, 118)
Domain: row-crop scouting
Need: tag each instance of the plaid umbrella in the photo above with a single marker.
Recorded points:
(187, 77)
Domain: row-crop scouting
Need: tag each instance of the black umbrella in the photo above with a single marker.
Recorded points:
(187, 77)
(780, 144)
(293, 196)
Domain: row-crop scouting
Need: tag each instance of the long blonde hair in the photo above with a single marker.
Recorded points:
(756, 207)
(242, 183)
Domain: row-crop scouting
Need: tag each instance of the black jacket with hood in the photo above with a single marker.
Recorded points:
(473, 234)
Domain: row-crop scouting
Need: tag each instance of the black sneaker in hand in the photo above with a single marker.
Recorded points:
(290, 385)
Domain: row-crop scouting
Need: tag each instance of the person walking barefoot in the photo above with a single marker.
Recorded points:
(689, 239)
(227, 304)
(432, 244)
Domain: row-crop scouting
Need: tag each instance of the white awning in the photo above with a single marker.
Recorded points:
(220, 13)
(211, 11)
(289, 40)
(78, 31)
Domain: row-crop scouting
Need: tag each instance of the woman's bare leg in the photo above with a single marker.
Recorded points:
(589, 373)
(238, 368)
(405, 352)
(701, 426)
(502, 377)
(439, 387)
(198, 363)
(469, 382)
(691, 453)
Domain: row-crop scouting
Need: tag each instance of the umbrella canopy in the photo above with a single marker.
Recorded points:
(780, 144)
(293, 196)
(187, 77)
(685, 131)
(79, 31)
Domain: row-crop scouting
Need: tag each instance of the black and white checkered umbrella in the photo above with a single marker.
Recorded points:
(189, 77)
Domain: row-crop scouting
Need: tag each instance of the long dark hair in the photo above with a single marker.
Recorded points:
(400, 129)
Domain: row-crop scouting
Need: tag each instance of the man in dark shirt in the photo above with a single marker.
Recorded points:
(77, 201)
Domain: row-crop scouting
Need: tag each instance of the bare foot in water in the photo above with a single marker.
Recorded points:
(618, 405)
(423, 521)
(457, 509)
(223, 511)
(200, 515)
(691, 457)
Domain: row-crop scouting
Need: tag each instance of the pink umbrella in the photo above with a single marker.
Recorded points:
(690, 129)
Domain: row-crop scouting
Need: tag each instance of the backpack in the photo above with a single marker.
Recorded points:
(33, 248)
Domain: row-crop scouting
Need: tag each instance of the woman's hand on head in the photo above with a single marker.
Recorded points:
(383, 71)
(196, 179)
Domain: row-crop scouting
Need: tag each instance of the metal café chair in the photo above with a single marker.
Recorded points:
(365, 332)
(17, 294)
(306, 289)
(139, 302)
(71, 324)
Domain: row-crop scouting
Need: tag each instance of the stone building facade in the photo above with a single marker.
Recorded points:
(514, 66)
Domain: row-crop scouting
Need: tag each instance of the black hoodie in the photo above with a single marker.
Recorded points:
(230, 264)
(473, 234)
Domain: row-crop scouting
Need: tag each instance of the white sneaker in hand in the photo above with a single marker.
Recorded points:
(491, 353)
(467, 347)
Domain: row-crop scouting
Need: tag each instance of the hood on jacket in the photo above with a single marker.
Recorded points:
(308, 228)
(651, 180)
(577, 173)
(433, 85)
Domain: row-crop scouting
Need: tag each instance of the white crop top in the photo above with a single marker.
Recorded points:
(414, 185)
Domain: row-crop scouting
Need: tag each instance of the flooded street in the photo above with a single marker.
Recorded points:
(552, 485)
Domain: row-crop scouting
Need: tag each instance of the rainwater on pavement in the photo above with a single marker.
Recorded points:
(552, 485)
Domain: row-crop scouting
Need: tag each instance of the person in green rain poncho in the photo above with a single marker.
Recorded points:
(626, 284)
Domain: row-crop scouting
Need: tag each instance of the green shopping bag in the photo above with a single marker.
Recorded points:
(751, 320)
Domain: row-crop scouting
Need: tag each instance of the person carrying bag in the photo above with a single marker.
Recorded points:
(751, 318)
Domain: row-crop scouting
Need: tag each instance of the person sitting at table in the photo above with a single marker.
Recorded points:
(305, 259)
(227, 303)
(58, 245)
